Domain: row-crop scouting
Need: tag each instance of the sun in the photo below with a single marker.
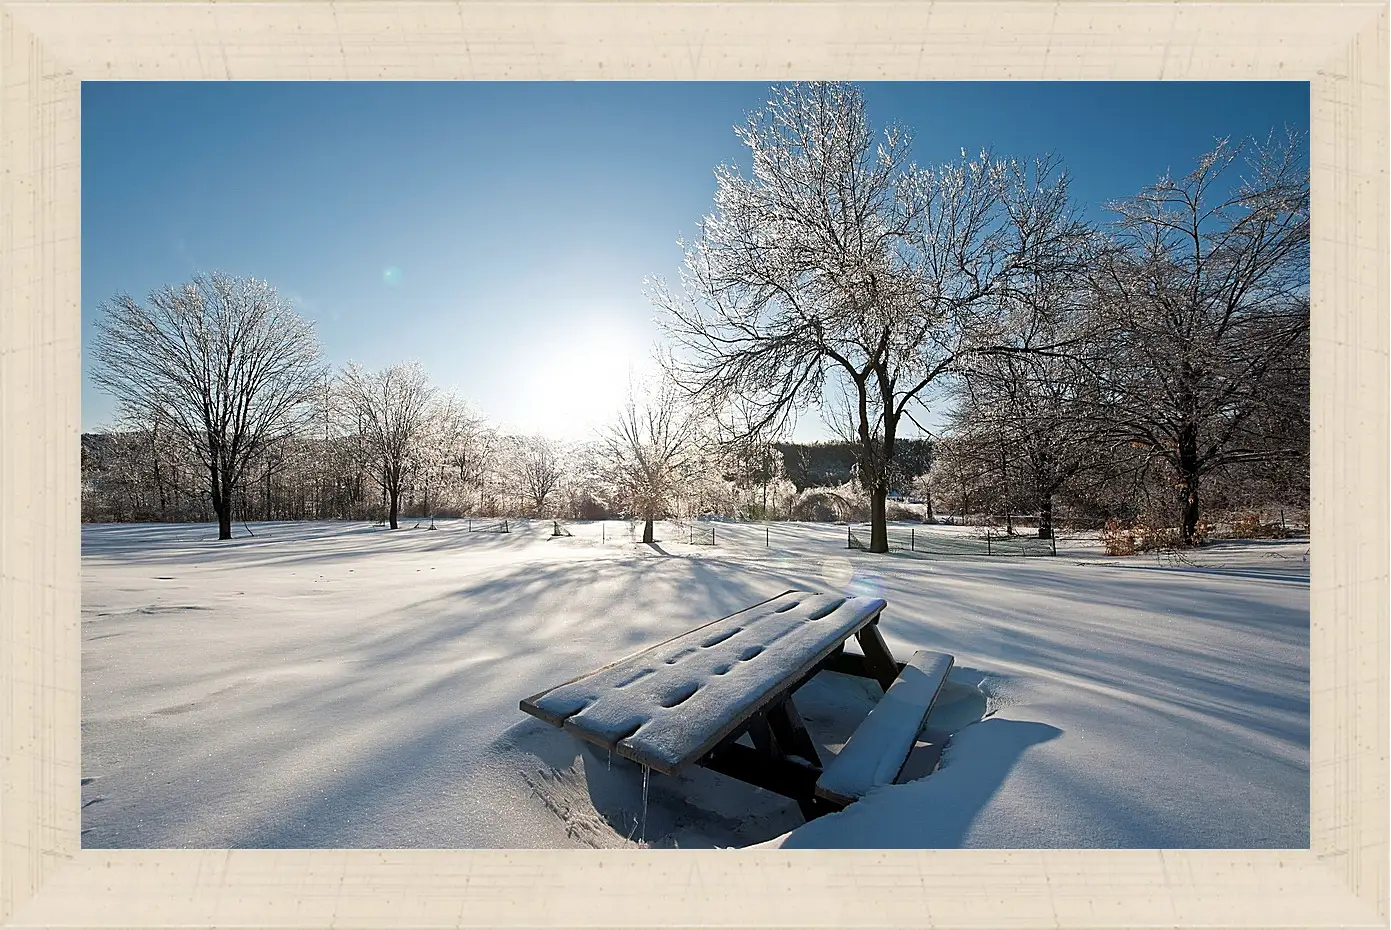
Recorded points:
(578, 383)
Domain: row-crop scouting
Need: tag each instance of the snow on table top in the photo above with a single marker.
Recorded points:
(668, 705)
(878, 747)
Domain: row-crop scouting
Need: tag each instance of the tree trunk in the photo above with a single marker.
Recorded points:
(221, 496)
(928, 516)
(1190, 509)
(1188, 472)
(1045, 517)
(395, 507)
(222, 506)
(878, 521)
(647, 535)
(159, 486)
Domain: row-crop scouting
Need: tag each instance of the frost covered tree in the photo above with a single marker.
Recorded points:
(539, 470)
(222, 361)
(390, 410)
(1025, 404)
(467, 444)
(654, 451)
(836, 269)
(1203, 316)
(1029, 415)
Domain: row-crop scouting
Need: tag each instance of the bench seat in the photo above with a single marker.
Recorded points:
(876, 751)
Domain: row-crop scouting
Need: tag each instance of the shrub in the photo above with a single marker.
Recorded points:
(826, 505)
(898, 512)
(1251, 526)
(820, 506)
(1143, 536)
(1118, 538)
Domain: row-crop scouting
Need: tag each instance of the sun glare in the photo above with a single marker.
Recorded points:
(579, 381)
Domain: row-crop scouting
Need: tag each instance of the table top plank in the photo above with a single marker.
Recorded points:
(668, 705)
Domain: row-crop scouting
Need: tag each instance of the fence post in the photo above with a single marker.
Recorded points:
(766, 543)
(987, 541)
(848, 537)
(1053, 542)
(470, 524)
(912, 539)
(602, 540)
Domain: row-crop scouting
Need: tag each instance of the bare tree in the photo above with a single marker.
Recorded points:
(467, 444)
(390, 408)
(222, 360)
(1025, 404)
(1204, 316)
(654, 449)
(1022, 415)
(837, 264)
(539, 469)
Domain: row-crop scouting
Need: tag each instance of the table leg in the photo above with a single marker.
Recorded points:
(877, 656)
(788, 777)
(791, 731)
(770, 745)
(762, 735)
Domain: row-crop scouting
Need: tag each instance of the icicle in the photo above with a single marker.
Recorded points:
(642, 837)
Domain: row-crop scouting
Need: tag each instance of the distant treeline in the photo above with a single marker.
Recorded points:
(135, 475)
(828, 464)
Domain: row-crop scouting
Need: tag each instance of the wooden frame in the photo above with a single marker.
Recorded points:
(48, 47)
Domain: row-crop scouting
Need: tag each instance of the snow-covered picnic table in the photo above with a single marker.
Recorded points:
(687, 700)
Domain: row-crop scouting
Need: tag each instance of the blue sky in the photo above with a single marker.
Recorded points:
(500, 232)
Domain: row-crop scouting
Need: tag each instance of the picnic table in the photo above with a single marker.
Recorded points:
(687, 701)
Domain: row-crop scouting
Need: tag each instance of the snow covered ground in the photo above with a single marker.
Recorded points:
(341, 685)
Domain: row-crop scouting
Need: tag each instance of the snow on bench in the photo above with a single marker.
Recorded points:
(876, 751)
(669, 705)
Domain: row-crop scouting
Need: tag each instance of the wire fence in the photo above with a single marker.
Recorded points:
(700, 535)
(926, 541)
(977, 542)
(989, 543)
(982, 537)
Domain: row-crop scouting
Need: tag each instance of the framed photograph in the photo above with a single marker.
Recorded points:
(653, 464)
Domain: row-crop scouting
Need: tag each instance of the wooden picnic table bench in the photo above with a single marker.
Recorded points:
(688, 700)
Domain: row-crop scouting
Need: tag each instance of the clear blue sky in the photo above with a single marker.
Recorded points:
(500, 232)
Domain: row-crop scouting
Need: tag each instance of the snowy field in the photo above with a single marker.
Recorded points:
(342, 685)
